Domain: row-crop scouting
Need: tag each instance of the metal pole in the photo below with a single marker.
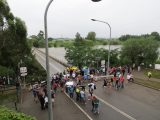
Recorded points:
(109, 50)
(108, 43)
(50, 112)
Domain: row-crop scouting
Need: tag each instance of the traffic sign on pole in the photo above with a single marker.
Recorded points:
(23, 69)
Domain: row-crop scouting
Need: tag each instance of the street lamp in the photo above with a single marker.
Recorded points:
(96, 0)
(50, 112)
(108, 43)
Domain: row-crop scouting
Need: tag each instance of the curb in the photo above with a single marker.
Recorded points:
(146, 85)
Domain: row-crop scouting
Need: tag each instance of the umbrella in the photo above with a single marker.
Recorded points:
(69, 83)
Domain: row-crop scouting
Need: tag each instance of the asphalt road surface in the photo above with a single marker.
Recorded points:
(134, 102)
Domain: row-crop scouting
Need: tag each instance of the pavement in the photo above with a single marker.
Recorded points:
(141, 75)
(63, 108)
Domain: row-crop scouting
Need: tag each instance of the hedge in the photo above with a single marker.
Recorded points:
(7, 114)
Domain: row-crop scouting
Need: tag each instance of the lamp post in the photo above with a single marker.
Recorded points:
(50, 112)
(108, 43)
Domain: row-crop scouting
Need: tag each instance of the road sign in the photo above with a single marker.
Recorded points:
(23, 69)
(23, 74)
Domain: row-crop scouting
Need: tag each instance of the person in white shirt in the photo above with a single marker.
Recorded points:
(73, 74)
(130, 77)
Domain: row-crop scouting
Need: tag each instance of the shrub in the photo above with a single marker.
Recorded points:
(7, 114)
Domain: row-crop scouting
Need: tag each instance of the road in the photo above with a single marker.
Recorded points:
(134, 102)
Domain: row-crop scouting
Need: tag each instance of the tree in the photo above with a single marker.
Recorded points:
(77, 53)
(14, 45)
(91, 36)
(84, 54)
(139, 51)
(156, 36)
(78, 38)
(38, 40)
(102, 54)
(124, 37)
(13, 42)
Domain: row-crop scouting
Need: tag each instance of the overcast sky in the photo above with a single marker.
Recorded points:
(66, 17)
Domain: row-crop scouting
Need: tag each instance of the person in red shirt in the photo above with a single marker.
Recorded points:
(55, 85)
(121, 81)
(114, 81)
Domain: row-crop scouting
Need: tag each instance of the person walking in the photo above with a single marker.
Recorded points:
(121, 81)
(104, 83)
(55, 85)
(34, 91)
(91, 88)
(71, 91)
(77, 93)
(149, 75)
(95, 105)
(83, 96)
(41, 96)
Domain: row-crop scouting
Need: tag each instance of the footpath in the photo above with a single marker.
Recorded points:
(141, 75)
(63, 109)
(142, 79)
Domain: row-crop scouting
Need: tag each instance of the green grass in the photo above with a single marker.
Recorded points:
(155, 73)
(148, 83)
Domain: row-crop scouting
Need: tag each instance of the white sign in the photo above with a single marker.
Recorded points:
(23, 69)
(157, 66)
(23, 74)
(102, 62)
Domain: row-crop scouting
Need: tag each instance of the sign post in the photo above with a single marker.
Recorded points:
(23, 72)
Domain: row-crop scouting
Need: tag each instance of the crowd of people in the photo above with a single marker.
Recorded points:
(71, 82)
(75, 83)
(117, 78)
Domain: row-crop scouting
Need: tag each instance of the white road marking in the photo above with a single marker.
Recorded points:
(116, 109)
(79, 107)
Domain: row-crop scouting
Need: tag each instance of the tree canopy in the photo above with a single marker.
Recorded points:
(91, 36)
(82, 53)
(140, 51)
(13, 33)
(153, 35)
(14, 46)
(38, 40)
(76, 54)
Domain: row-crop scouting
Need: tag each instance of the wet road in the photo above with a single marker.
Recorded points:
(132, 103)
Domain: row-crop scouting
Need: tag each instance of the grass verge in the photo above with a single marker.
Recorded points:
(155, 73)
(6, 98)
(148, 83)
